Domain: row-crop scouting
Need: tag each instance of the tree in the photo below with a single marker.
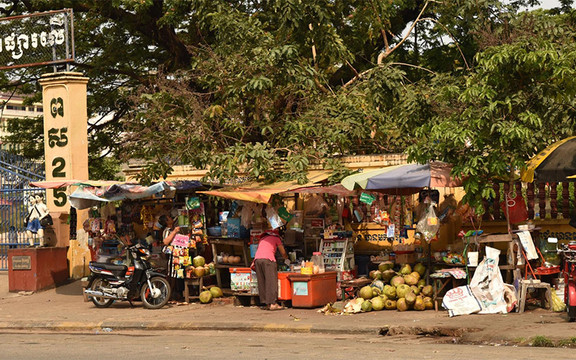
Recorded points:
(272, 88)
(518, 99)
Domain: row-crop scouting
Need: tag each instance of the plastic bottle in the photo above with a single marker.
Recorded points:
(318, 261)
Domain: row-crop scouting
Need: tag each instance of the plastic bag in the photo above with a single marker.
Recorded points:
(447, 207)
(517, 211)
(315, 205)
(487, 284)
(428, 225)
(460, 301)
(557, 303)
(273, 217)
(510, 297)
(248, 210)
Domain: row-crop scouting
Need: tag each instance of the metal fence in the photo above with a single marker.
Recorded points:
(16, 173)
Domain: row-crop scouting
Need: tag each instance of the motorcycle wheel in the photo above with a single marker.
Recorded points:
(162, 286)
(100, 302)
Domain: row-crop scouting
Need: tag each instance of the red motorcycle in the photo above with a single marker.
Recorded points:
(568, 254)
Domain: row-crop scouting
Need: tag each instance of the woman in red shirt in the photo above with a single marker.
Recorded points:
(267, 269)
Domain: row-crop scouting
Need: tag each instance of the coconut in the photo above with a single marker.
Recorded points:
(415, 290)
(428, 303)
(401, 290)
(386, 265)
(375, 292)
(205, 297)
(427, 290)
(383, 297)
(199, 271)
(401, 305)
(387, 275)
(237, 260)
(421, 283)
(419, 304)
(420, 269)
(377, 303)
(416, 275)
(367, 306)
(397, 280)
(405, 269)
(390, 304)
(378, 284)
(216, 292)
(375, 275)
(366, 292)
(390, 292)
(410, 280)
(410, 298)
(198, 261)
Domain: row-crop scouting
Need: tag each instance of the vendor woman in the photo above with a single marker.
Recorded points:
(267, 269)
(169, 233)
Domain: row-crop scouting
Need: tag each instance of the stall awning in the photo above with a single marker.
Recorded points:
(94, 192)
(87, 196)
(260, 193)
(403, 179)
(57, 184)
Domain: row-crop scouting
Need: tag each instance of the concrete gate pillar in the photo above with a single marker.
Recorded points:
(66, 150)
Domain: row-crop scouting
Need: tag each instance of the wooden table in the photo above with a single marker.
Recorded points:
(442, 284)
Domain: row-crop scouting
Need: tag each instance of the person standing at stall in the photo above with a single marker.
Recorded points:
(267, 269)
(170, 231)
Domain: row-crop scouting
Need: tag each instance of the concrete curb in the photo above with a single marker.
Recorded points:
(164, 325)
(111, 325)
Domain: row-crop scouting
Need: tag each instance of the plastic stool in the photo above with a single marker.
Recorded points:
(534, 284)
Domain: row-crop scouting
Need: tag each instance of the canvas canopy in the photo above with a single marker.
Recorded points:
(261, 193)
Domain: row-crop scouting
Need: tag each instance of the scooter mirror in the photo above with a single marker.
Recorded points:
(552, 240)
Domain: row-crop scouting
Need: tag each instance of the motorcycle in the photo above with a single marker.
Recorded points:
(568, 255)
(109, 282)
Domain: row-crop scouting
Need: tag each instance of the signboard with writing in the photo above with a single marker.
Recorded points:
(21, 263)
(367, 198)
(37, 39)
(181, 240)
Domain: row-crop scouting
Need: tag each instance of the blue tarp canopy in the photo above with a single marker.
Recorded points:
(86, 196)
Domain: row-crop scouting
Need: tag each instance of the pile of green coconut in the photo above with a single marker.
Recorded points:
(394, 290)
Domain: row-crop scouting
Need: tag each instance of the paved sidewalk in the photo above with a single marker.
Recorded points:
(63, 309)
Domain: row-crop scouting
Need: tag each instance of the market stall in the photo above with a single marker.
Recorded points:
(116, 213)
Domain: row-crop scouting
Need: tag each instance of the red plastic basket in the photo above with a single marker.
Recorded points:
(542, 270)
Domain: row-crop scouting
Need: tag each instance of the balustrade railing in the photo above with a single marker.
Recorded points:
(543, 200)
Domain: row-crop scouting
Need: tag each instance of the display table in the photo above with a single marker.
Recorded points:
(444, 281)
(33, 269)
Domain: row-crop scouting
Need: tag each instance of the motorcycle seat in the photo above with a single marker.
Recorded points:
(108, 266)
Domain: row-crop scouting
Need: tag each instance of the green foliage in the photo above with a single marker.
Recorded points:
(268, 90)
(542, 341)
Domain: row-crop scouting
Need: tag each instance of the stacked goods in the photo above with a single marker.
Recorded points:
(403, 290)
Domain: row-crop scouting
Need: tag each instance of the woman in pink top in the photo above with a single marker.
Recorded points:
(266, 268)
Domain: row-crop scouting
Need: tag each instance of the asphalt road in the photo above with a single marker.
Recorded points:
(104, 344)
